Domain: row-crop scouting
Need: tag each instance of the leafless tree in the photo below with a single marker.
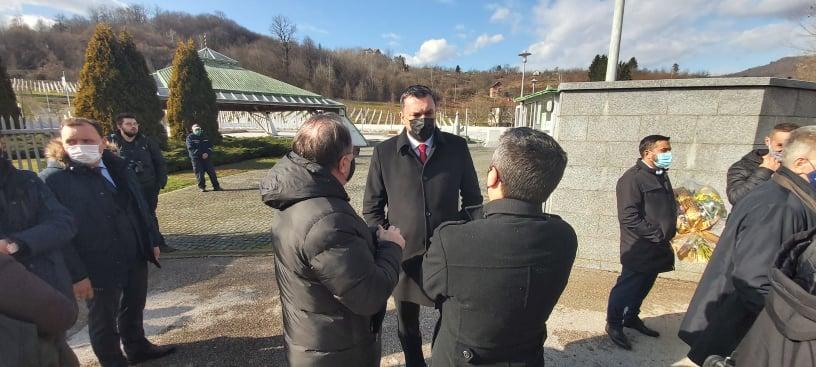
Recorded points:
(284, 30)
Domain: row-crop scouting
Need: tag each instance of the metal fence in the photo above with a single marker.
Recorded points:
(25, 141)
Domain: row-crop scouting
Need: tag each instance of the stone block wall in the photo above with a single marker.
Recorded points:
(712, 124)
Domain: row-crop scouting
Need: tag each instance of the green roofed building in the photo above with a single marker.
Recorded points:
(538, 110)
(244, 94)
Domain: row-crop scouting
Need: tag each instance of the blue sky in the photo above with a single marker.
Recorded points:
(718, 36)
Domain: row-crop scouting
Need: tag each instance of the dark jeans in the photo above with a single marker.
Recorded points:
(409, 335)
(200, 166)
(116, 315)
(151, 194)
(627, 295)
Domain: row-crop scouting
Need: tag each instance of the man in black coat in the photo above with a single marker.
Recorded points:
(784, 334)
(107, 259)
(34, 229)
(757, 166)
(497, 279)
(647, 212)
(334, 273)
(419, 176)
(200, 150)
(732, 290)
(145, 159)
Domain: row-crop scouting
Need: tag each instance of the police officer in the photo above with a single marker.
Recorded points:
(145, 159)
(200, 150)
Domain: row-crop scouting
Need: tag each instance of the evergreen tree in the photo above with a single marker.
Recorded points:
(9, 112)
(597, 69)
(192, 100)
(99, 93)
(139, 90)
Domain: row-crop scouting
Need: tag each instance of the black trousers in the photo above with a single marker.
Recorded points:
(627, 296)
(409, 334)
(151, 194)
(116, 315)
(201, 166)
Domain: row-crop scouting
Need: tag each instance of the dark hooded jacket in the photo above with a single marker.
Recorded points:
(334, 277)
(784, 334)
(145, 158)
(31, 217)
(732, 290)
(114, 229)
(746, 174)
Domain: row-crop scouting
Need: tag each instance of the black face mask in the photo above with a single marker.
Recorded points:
(422, 129)
(351, 170)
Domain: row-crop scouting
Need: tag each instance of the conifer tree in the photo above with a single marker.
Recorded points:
(139, 89)
(191, 100)
(9, 111)
(99, 91)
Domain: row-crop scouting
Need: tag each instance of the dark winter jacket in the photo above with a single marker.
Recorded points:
(419, 198)
(784, 334)
(115, 229)
(732, 290)
(145, 159)
(746, 174)
(33, 316)
(496, 280)
(334, 277)
(198, 145)
(647, 213)
(31, 217)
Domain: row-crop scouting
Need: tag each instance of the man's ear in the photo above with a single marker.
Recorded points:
(493, 178)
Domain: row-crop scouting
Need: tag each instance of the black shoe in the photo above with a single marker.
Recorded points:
(618, 337)
(167, 249)
(638, 325)
(153, 352)
(218, 189)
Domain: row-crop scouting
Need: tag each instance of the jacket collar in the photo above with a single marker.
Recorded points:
(513, 207)
(645, 167)
(404, 145)
(798, 181)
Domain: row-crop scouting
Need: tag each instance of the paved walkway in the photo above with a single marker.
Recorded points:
(236, 219)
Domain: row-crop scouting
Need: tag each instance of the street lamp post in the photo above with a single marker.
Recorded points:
(523, 69)
(533, 82)
(614, 42)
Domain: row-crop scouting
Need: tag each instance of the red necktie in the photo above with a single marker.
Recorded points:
(423, 155)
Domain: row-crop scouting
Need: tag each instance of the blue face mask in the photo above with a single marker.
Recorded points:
(812, 176)
(664, 160)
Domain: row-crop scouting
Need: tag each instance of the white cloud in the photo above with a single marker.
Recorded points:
(765, 8)
(68, 6)
(500, 14)
(432, 51)
(483, 41)
(392, 38)
(310, 28)
(657, 32)
(28, 19)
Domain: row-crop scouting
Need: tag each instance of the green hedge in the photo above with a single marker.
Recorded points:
(231, 150)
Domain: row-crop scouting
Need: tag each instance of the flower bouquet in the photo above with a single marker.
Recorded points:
(698, 211)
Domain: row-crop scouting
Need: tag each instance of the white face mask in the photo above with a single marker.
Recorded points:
(84, 154)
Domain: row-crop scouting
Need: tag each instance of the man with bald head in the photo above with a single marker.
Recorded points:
(334, 273)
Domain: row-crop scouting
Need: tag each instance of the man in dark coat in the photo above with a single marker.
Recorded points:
(145, 159)
(757, 166)
(334, 273)
(784, 334)
(34, 229)
(33, 319)
(647, 212)
(497, 279)
(116, 238)
(419, 176)
(732, 290)
(200, 150)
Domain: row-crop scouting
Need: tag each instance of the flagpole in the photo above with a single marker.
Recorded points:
(65, 88)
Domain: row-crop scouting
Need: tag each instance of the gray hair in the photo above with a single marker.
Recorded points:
(530, 164)
(802, 142)
(323, 139)
(416, 91)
